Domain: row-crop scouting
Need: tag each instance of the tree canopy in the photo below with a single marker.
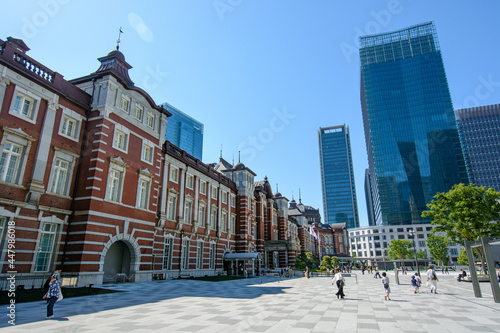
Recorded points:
(466, 212)
(400, 249)
(438, 248)
(462, 258)
(421, 255)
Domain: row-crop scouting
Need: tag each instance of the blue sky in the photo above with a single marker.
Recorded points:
(262, 76)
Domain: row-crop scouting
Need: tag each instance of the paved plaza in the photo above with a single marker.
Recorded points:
(289, 305)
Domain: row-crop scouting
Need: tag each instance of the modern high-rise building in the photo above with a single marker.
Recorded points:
(184, 132)
(337, 176)
(411, 134)
(479, 129)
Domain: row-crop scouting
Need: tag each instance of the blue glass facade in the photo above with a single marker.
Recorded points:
(184, 132)
(337, 176)
(411, 134)
(479, 129)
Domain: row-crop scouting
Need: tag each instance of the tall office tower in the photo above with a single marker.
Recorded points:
(337, 176)
(184, 132)
(411, 134)
(479, 129)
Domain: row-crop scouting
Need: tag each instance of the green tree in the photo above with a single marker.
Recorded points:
(326, 263)
(462, 258)
(399, 249)
(438, 247)
(466, 213)
(421, 255)
(335, 261)
(312, 261)
(307, 259)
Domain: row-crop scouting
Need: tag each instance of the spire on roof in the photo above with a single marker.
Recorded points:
(118, 40)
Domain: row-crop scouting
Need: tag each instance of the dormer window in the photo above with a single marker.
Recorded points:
(125, 103)
(139, 111)
(150, 120)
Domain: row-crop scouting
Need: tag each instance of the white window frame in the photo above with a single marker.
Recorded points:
(211, 256)
(167, 253)
(147, 146)
(19, 139)
(47, 251)
(70, 115)
(171, 206)
(69, 127)
(224, 221)
(139, 108)
(188, 211)
(150, 120)
(125, 103)
(214, 192)
(233, 200)
(232, 227)
(173, 175)
(189, 181)
(116, 172)
(185, 254)
(203, 187)
(24, 95)
(202, 212)
(121, 131)
(224, 197)
(55, 174)
(199, 255)
(213, 218)
(143, 192)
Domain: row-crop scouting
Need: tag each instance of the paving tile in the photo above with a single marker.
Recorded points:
(290, 305)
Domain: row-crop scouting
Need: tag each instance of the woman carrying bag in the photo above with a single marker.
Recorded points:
(339, 281)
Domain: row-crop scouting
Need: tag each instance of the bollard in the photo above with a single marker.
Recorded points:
(90, 288)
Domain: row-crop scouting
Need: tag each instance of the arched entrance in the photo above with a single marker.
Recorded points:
(117, 262)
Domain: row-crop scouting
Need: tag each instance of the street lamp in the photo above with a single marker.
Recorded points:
(412, 235)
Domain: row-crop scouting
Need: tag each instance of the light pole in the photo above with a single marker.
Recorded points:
(412, 235)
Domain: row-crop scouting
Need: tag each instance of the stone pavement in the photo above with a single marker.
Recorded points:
(289, 305)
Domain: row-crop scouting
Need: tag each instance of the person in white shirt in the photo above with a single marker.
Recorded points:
(432, 279)
(339, 281)
(387, 288)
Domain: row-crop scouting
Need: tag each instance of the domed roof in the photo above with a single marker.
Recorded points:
(116, 53)
(278, 195)
(239, 166)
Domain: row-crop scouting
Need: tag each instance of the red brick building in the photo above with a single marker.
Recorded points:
(93, 188)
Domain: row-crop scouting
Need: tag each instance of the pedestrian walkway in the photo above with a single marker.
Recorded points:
(287, 305)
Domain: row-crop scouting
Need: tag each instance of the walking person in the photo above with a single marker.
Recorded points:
(416, 282)
(387, 287)
(53, 295)
(339, 281)
(432, 279)
(377, 273)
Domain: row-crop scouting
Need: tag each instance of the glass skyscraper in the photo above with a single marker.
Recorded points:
(411, 134)
(479, 129)
(184, 132)
(337, 176)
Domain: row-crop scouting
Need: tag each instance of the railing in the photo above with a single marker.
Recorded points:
(29, 281)
(34, 67)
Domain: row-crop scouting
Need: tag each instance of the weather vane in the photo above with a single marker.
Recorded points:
(118, 40)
